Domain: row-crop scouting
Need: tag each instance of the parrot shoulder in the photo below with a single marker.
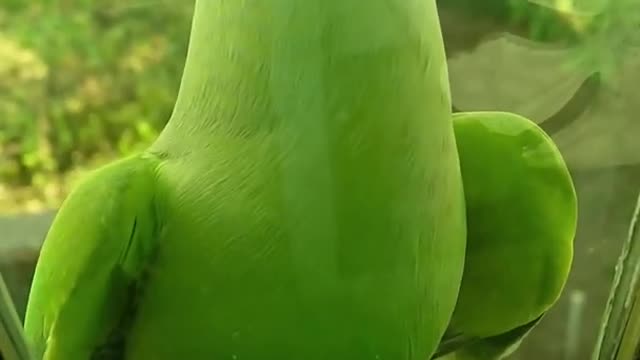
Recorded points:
(93, 260)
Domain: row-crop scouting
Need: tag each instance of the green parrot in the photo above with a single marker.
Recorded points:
(521, 222)
(304, 201)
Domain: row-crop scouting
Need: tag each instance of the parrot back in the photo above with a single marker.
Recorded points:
(336, 232)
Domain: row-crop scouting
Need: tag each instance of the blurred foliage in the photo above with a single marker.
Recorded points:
(81, 82)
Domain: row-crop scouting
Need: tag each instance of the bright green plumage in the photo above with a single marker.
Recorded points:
(94, 255)
(303, 202)
(521, 218)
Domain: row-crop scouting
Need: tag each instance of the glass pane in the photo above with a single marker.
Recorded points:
(536, 60)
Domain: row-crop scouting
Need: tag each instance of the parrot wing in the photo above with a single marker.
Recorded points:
(521, 222)
(91, 266)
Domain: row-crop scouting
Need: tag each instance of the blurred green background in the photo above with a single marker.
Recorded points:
(81, 82)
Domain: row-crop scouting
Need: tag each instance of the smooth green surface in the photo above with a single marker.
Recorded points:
(308, 198)
(521, 216)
